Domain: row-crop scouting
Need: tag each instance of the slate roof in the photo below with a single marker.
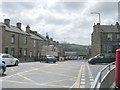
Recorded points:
(13, 29)
(35, 36)
(44, 38)
(17, 30)
(108, 28)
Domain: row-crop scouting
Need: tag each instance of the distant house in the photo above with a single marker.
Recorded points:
(105, 38)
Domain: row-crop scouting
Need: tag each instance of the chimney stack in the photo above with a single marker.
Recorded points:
(18, 25)
(118, 26)
(7, 22)
(98, 23)
(28, 29)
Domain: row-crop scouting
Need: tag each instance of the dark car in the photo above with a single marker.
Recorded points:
(48, 58)
(102, 58)
(2, 68)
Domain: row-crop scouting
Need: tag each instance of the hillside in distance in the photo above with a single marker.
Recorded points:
(80, 49)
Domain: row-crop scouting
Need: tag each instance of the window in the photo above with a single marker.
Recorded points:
(13, 39)
(34, 53)
(20, 52)
(25, 52)
(25, 40)
(38, 54)
(12, 51)
(5, 56)
(118, 36)
(34, 43)
(109, 37)
(6, 50)
(109, 48)
(10, 56)
(30, 54)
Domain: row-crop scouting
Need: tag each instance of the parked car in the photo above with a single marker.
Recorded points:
(102, 58)
(48, 58)
(2, 68)
(8, 59)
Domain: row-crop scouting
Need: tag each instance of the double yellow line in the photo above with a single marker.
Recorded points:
(77, 83)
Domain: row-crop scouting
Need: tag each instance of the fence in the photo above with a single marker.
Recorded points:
(105, 78)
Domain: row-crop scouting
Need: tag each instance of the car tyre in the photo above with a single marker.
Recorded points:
(16, 63)
(54, 61)
(3, 62)
(46, 61)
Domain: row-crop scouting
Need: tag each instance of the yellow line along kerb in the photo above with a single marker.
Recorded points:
(77, 83)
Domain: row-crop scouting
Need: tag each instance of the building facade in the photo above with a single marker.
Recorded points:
(36, 43)
(105, 39)
(24, 45)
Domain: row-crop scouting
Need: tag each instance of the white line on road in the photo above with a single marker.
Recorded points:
(91, 79)
(12, 69)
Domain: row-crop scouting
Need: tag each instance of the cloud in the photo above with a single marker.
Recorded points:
(55, 20)
(17, 7)
(106, 7)
(72, 6)
(70, 20)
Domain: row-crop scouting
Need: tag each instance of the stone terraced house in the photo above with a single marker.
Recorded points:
(24, 45)
(105, 39)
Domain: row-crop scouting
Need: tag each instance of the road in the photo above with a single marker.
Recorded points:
(66, 74)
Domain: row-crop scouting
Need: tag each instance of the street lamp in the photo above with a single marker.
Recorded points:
(98, 14)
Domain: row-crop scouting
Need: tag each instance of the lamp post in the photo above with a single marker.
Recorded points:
(98, 15)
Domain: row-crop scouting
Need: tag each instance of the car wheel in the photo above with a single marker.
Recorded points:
(46, 61)
(54, 61)
(16, 63)
(1, 71)
(3, 62)
(40, 61)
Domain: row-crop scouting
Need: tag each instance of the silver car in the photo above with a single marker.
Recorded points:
(8, 59)
(48, 58)
(2, 68)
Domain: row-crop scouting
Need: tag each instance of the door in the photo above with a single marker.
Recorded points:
(12, 61)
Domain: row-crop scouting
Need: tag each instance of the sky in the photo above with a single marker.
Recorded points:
(68, 21)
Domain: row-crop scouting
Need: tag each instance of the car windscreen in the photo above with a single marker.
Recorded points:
(50, 56)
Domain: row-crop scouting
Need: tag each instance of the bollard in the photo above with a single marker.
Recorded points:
(117, 69)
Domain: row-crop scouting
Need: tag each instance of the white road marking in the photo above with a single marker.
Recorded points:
(82, 80)
(82, 86)
(12, 69)
(91, 79)
(83, 76)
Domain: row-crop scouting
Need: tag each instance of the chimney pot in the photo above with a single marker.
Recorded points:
(18, 25)
(98, 23)
(28, 29)
(7, 22)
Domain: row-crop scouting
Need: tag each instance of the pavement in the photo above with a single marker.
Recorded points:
(114, 87)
